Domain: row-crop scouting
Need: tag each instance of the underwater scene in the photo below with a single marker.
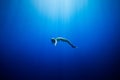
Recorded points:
(59, 40)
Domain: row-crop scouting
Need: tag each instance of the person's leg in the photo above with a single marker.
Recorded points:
(71, 44)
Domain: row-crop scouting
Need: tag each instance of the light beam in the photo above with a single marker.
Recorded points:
(59, 9)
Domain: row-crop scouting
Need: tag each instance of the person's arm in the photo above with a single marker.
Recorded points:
(55, 42)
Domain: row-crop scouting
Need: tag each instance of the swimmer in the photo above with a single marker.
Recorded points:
(55, 41)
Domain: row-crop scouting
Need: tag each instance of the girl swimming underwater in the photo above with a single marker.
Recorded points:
(56, 40)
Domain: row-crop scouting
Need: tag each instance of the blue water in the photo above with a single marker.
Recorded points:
(26, 52)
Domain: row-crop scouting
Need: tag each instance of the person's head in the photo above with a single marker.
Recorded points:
(53, 40)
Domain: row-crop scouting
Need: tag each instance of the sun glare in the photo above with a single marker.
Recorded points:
(63, 9)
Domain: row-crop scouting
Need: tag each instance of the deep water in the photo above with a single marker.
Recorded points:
(26, 52)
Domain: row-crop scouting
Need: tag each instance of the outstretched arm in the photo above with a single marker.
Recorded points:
(55, 42)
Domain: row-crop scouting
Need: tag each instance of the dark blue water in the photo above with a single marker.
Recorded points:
(26, 52)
